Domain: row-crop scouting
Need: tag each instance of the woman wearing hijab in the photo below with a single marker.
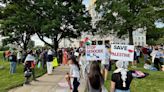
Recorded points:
(121, 78)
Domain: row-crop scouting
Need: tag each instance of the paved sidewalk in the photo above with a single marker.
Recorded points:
(50, 83)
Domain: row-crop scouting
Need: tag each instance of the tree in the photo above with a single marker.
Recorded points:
(54, 19)
(58, 19)
(31, 44)
(155, 36)
(16, 23)
(125, 16)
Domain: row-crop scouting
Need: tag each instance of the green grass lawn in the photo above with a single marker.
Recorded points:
(8, 81)
(152, 83)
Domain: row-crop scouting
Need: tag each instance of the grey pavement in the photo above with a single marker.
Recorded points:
(50, 83)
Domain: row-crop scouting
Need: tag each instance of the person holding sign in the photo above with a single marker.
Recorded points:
(105, 64)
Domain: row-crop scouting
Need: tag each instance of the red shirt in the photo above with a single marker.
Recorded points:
(144, 50)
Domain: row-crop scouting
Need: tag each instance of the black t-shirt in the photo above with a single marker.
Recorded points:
(116, 77)
(13, 58)
(50, 58)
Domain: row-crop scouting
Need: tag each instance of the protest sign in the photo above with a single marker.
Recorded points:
(95, 52)
(122, 52)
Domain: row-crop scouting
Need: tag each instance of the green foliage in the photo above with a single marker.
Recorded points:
(155, 36)
(4, 48)
(16, 23)
(125, 16)
(60, 19)
(31, 44)
(54, 19)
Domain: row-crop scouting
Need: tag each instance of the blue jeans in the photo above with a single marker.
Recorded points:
(118, 90)
(12, 67)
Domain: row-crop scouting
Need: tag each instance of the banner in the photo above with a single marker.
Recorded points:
(95, 52)
(122, 52)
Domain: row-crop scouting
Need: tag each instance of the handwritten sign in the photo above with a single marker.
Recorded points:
(95, 52)
(122, 52)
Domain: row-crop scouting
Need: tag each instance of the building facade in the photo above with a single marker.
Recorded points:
(139, 37)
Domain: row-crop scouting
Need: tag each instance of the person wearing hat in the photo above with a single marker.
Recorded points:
(13, 61)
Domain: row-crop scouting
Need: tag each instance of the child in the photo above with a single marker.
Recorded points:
(74, 74)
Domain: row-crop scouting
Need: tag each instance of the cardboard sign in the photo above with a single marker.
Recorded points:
(95, 52)
(122, 52)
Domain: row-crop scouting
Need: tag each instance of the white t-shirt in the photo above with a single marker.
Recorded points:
(74, 71)
(18, 55)
(30, 58)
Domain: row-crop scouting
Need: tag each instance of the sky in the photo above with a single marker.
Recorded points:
(86, 2)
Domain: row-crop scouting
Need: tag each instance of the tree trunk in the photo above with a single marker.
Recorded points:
(56, 44)
(130, 36)
(24, 47)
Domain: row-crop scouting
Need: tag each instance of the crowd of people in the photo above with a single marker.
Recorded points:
(94, 72)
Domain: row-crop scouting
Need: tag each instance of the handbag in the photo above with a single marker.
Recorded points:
(39, 64)
(27, 73)
(55, 62)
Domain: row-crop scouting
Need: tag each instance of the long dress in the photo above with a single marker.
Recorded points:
(65, 57)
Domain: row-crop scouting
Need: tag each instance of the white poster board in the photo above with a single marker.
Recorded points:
(95, 52)
(122, 52)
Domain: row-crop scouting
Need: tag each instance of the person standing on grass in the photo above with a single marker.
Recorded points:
(138, 53)
(134, 63)
(95, 80)
(49, 61)
(19, 57)
(4, 56)
(121, 78)
(13, 63)
(145, 53)
(30, 65)
(156, 55)
(74, 74)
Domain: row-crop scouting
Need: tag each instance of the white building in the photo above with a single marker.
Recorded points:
(139, 37)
